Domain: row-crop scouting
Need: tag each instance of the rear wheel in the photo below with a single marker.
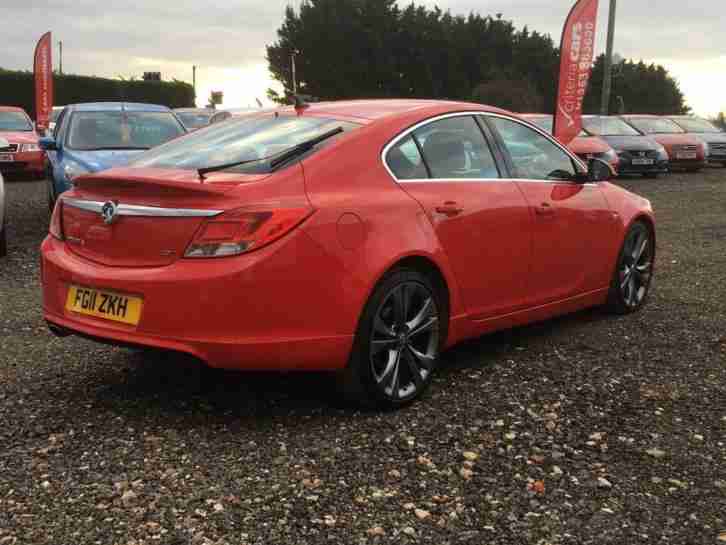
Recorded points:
(397, 344)
(3, 239)
(633, 272)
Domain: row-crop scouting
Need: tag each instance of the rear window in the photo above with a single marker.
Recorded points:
(194, 120)
(248, 138)
(121, 130)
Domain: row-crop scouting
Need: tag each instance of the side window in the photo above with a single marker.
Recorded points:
(405, 160)
(455, 148)
(534, 157)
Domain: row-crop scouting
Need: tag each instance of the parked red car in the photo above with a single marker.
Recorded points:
(684, 150)
(584, 146)
(358, 237)
(23, 155)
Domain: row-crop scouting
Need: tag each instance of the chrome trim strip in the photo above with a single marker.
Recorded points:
(405, 133)
(146, 211)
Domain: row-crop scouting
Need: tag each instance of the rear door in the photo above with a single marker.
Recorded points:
(572, 223)
(481, 219)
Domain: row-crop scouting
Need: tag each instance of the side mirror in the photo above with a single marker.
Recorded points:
(599, 171)
(48, 143)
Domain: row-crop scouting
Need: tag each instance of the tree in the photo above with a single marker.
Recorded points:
(515, 95)
(637, 88)
(374, 48)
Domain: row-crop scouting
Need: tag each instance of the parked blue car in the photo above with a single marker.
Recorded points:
(98, 136)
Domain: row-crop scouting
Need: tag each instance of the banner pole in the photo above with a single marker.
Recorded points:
(608, 66)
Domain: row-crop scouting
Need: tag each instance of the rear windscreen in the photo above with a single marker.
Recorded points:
(244, 139)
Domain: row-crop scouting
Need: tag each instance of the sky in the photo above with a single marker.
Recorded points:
(226, 39)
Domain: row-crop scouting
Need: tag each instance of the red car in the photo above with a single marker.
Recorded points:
(684, 150)
(358, 237)
(584, 146)
(23, 155)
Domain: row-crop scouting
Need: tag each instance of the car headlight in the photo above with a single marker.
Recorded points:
(706, 149)
(73, 170)
(30, 147)
(662, 153)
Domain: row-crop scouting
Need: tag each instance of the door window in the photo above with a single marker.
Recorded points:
(455, 148)
(404, 160)
(534, 156)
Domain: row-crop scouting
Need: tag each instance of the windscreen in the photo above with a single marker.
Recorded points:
(655, 125)
(194, 120)
(243, 139)
(608, 126)
(121, 130)
(695, 124)
(15, 121)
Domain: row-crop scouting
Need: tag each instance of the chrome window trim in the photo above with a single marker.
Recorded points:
(139, 210)
(402, 135)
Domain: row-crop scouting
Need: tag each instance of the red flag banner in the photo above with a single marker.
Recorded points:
(577, 52)
(43, 69)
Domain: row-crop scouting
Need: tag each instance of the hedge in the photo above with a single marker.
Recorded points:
(17, 89)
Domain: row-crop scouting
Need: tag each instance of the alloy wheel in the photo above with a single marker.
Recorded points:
(636, 267)
(404, 343)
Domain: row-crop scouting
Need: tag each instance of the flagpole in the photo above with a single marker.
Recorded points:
(608, 75)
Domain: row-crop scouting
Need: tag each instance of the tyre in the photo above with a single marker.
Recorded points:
(3, 240)
(397, 344)
(633, 271)
(51, 194)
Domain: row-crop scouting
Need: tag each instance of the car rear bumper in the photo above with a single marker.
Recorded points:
(236, 313)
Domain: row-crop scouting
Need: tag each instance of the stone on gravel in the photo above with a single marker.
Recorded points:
(656, 453)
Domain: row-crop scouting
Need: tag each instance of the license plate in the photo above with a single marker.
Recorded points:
(686, 155)
(641, 161)
(6, 158)
(104, 304)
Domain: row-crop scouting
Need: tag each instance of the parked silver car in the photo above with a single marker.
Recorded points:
(3, 240)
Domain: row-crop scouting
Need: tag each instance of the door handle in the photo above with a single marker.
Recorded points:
(449, 208)
(544, 209)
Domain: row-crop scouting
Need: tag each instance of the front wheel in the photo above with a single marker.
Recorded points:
(397, 344)
(633, 271)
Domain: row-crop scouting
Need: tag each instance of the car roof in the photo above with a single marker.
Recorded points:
(371, 110)
(11, 109)
(117, 107)
(195, 110)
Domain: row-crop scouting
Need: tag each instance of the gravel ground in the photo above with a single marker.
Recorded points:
(586, 429)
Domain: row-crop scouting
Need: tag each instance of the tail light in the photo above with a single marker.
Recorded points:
(56, 220)
(244, 230)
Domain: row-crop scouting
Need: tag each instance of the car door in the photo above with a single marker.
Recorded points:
(572, 222)
(481, 220)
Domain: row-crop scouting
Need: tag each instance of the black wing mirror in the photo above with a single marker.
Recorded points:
(599, 171)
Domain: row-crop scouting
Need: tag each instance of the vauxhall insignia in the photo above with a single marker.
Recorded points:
(109, 212)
